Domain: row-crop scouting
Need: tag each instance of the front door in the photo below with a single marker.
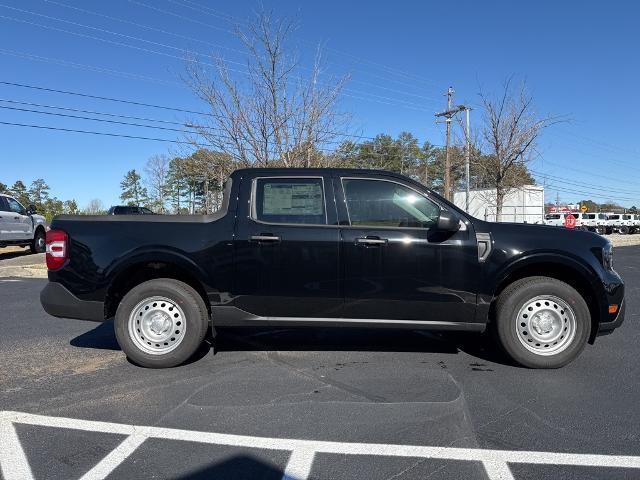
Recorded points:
(21, 226)
(287, 248)
(396, 264)
(6, 221)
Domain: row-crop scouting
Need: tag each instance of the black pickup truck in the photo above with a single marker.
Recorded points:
(332, 247)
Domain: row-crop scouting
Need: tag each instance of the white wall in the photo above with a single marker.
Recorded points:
(522, 205)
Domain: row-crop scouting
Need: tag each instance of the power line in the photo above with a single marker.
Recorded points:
(376, 98)
(91, 68)
(103, 120)
(98, 97)
(90, 132)
(92, 112)
(133, 102)
(147, 27)
(228, 18)
(581, 184)
(583, 170)
(217, 45)
(231, 19)
(590, 194)
(80, 117)
(137, 137)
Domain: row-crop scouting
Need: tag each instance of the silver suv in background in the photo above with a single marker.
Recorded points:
(21, 226)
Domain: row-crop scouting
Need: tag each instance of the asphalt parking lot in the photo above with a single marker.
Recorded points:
(318, 404)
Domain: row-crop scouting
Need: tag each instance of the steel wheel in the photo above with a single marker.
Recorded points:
(546, 325)
(157, 325)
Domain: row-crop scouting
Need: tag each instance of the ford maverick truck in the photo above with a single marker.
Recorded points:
(332, 247)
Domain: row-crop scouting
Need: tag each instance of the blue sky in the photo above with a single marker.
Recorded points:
(579, 59)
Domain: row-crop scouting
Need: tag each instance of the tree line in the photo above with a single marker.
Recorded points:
(194, 184)
(37, 194)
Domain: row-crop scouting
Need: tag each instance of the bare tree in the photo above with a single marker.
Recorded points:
(157, 169)
(94, 207)
(271, 114)
(510, 131)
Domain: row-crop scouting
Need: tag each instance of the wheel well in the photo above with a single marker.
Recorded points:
(142, 272)
(564, 273)
(39, 227)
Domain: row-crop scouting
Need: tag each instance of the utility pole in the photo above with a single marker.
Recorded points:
(448, 114)
(467, 159)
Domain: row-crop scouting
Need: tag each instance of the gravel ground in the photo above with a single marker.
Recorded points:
(624, 240)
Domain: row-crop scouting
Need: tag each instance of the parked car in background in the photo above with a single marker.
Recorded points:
(332, 247)
(623, 223)
(559, 219)
(594, 222)
(129, 210)
(21, 226)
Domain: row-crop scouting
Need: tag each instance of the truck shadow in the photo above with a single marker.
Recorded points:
(321, 339)
(8, 255)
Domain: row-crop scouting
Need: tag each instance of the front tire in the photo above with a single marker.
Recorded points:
(161, 323)
(39, 243)
(542, 322)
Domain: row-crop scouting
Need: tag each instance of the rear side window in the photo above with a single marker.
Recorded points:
(380, 203)
(289, 200)
(3, 205)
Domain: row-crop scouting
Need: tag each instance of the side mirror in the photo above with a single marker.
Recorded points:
(448, 222)
(31, 209)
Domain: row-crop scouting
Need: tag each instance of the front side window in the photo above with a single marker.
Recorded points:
(289, 200)
(379, 203)
(15, 207)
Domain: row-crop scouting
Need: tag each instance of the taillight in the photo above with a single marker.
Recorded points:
(57, 248)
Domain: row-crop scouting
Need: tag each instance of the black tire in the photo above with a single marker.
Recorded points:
(515, 297)
(624, 230)
(601, 230)
(609, 230)
(38, 245)
(196, 322)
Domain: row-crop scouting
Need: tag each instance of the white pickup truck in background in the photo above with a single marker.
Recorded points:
(21, 226)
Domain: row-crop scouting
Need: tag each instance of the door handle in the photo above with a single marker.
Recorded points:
(371, 241)
(16, 218)
(264, 238)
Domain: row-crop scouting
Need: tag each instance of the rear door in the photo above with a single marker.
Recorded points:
(287, 248)
(396, 264)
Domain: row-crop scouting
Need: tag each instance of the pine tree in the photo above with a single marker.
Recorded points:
(133, 193)
(19, 192)
(39, 194)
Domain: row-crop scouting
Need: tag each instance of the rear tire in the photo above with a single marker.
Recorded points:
(161, 323)
(39, 244)
(624, 230)
(542, 322)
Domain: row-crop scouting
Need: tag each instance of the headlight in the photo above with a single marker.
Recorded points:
(607, 256)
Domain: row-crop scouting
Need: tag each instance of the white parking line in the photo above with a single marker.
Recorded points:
(13, 461)
(118, 455)
(14, 464)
